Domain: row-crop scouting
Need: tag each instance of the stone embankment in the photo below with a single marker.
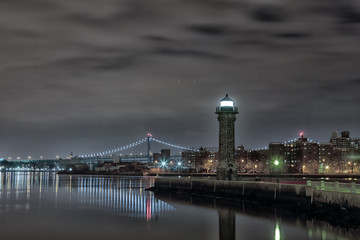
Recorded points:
(333, 193)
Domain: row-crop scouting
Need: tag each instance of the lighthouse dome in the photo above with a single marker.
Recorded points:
(226, 102)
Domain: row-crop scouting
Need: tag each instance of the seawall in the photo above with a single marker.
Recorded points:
(310, 193)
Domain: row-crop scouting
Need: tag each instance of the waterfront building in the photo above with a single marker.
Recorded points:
(277, 153)
(241, 158)
(257, 161)
(163, 156)
(188, 157)
(200, 161)
(341, 142)
(346, 150)
(227, 169)
(327, 160)
(300, 156)
(309, 157)
(345, 143)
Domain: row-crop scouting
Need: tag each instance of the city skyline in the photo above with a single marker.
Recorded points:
(166, 145)
(80, 77)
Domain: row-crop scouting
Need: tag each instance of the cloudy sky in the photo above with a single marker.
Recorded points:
(89, 75)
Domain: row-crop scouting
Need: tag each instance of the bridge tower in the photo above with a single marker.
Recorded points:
(148, 141)
(227, 169)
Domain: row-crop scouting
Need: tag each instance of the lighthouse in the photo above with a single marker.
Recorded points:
(227, 169)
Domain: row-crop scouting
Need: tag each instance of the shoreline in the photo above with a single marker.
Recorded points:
(129, 174)
(337, 207)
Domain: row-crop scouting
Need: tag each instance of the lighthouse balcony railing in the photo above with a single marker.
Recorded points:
(226, 109)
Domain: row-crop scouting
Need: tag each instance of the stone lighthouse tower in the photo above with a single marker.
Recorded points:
(227, 169)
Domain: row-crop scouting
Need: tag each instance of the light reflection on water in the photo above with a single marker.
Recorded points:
(125, 196)
(49, 206)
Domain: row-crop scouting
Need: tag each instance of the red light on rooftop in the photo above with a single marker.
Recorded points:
(301, 134)
(149, 135)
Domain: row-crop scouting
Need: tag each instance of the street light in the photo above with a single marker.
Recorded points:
(179, 163)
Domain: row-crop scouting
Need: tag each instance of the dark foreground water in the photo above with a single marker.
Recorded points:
(50, 206)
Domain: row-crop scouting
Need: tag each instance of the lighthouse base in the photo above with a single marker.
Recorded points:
(226, 172)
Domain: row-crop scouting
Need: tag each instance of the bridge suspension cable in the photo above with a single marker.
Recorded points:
(119, 149)
(172, 145)
(134, 144)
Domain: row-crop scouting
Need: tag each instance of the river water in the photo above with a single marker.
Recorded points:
(47, 206)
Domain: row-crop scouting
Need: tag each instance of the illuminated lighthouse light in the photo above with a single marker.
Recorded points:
(226, 104)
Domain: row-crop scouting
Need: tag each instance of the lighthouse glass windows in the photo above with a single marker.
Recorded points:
(226, 104)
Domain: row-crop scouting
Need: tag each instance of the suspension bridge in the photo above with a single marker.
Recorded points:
(141, 150)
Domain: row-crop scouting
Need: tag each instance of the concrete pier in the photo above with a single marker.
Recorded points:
(309, 193)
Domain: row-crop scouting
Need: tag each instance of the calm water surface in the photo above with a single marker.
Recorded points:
(50, 206)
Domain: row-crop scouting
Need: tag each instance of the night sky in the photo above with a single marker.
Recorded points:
(91, 75)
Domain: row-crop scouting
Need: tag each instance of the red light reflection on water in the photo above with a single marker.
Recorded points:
(148, 208)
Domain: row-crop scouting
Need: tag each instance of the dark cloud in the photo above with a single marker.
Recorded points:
(35, 5)
(209, 29)
(97, 63)
(89, 75)
(189, 53)
(269, 13)
(157, 38)
(349, 14)
(293, 35)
